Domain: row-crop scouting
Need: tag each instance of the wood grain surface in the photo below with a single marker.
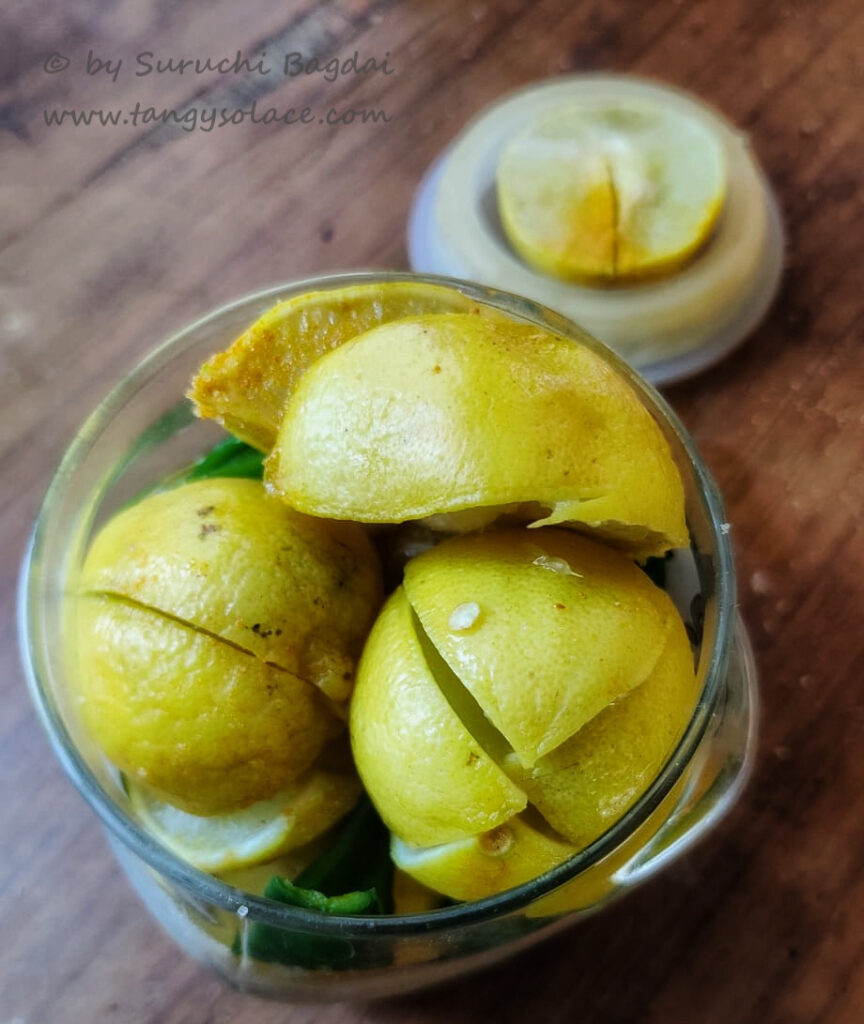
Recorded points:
(114, 236)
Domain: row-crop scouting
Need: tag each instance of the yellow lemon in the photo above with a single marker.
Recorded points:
(429, 777)
(587, 783)
(611, 192)
(485, 864)
(437, 414)
(544, 628)
(245, 387)
(222, 556)
(540, 656)
(206, 726)
(260, 832)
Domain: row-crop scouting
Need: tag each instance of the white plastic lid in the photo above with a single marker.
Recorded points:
(668, 329)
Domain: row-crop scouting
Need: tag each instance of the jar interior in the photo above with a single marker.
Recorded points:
(144, 432)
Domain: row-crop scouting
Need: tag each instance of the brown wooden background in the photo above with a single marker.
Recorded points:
(112, 237)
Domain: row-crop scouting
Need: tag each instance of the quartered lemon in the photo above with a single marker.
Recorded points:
(611, 191)
(225, 558)
(587, 783)
(544, 628)
(428, 776)
(199, 722)
(260, 832)
(485, 864)
(514, 699)
(450, 413)
(245, 387)
(217, 636)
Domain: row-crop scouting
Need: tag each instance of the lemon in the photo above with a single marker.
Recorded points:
(217, 634)
(485, 864)
(443, 413)
(206, 726)
(587, 783)
(519, 852)
(540, 656)
(611, 191)
(222, 556)
(429, 777)
(559, 628)
(260, 832)
(245, 387)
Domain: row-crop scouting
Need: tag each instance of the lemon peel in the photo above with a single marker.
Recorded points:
(294, 591)
(246, 386)
(264, 830)
(438, 414)
(206, 726)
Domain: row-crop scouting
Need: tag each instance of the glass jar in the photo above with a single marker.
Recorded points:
(143, 431)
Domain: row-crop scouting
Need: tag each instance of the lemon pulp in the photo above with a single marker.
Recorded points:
(613, 192)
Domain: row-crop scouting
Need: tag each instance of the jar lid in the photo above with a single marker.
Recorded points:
(668, 328)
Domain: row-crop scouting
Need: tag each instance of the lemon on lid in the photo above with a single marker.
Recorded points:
(224, 557)
(438, 414)
(260, 832)
(245, 387)
(611, 191)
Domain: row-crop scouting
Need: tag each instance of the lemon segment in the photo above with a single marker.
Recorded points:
(559, 628)
(485, 864)
(264, 830)
(224, 557)
(430, 779)
(441, 413)
(199, 722)
(585, 785)
(613, 192)
(245, 387)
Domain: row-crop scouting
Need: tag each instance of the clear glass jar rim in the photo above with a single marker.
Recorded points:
(227, 897)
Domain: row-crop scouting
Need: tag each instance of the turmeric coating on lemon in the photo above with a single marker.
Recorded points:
(245, 388)
(600, 193)
(451, 413)
(217, 633)
(543, 719)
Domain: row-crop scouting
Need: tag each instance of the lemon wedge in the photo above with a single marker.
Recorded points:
(516, 696)
(205, 725)
(449, 412)
(266, 829)
(611, 192)
(590, 626)
(428, 775)
(587, 783)
(298, 593)
(484, 864)
(245, 387)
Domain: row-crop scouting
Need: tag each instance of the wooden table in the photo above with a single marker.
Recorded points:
(114, 236)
